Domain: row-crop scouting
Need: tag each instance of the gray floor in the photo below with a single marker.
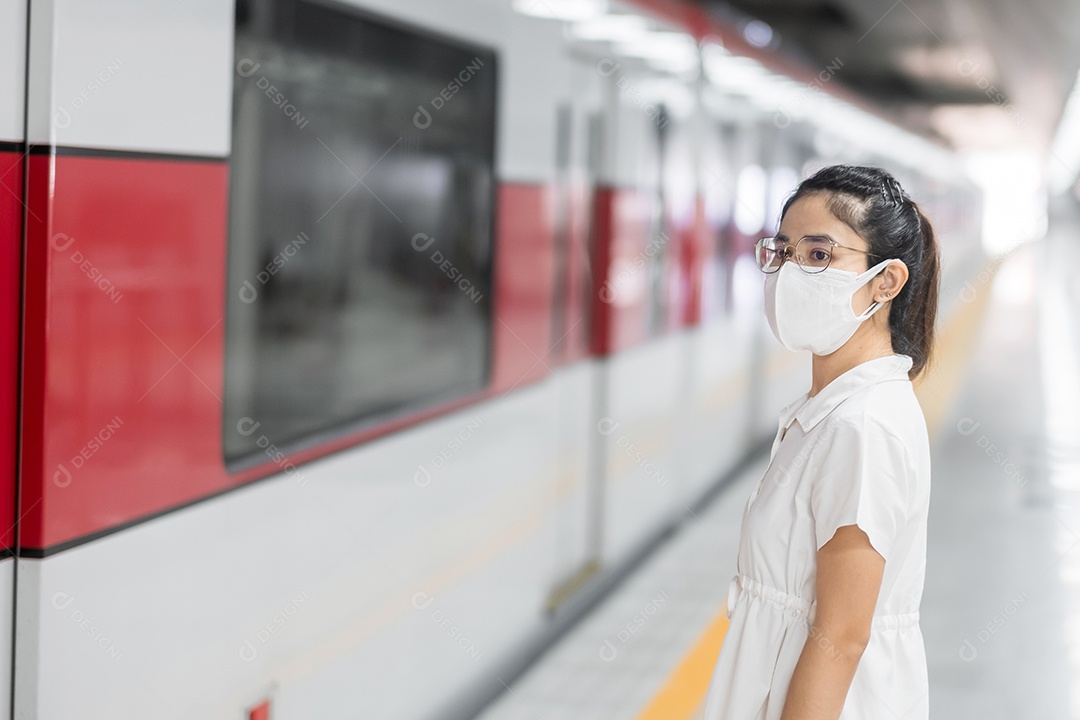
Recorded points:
(1001, 609)
(1002, 602)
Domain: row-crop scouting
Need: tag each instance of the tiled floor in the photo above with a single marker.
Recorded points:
(1001, 609)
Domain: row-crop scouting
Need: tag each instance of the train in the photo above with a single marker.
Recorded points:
(350, 349)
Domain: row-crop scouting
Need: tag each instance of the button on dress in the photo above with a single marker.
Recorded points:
(857, 453)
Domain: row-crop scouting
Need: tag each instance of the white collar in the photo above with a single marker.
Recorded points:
(809, 411)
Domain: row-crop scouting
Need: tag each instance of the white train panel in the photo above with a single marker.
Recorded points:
(336, 574)
(151, 75)
(12, 69)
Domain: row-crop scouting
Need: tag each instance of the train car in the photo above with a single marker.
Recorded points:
(350, 350)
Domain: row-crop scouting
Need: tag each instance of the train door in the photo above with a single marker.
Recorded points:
(12, 157)
(744, 180)
(637, 303)
(683, 244)
(719, 363)
(572, 191)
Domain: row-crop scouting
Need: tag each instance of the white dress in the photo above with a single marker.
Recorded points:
(858, 454)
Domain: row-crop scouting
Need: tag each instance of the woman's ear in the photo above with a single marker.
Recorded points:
(891, 280)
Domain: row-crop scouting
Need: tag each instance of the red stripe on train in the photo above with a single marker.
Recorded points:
(524, 274)
(124, 338)
(11, 211)
(619, 283)
(624, 251)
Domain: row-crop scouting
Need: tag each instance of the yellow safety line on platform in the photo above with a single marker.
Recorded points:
(684, 692)
(937, 388)
(682, 696)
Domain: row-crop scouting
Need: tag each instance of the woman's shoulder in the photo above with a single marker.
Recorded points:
(888, 411)
(885, 423)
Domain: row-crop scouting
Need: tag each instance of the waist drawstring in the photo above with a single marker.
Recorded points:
(799, 607)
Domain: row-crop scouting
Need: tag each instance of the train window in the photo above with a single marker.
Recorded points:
(361, 206)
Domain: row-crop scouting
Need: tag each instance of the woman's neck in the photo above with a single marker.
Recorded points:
(868, 343)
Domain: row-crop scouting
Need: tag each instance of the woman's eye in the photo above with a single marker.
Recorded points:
(819, 255)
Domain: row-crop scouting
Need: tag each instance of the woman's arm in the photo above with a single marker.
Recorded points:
(849, 572)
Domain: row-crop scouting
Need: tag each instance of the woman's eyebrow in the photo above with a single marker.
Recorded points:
(785, 238)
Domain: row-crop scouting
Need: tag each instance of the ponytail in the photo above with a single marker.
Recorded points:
(912, 320)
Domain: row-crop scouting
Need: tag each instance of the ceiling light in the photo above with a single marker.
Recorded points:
(569, 10)
(615, 28)
(758, 33)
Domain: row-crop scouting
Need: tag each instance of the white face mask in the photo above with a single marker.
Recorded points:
(812, 311)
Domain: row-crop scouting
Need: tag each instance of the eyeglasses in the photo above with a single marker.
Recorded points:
(813, 253)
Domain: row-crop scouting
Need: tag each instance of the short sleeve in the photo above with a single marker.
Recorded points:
(860, 475)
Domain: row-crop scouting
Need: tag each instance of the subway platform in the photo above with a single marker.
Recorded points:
(1001, 608)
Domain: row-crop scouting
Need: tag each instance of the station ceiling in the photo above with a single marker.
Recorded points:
(981, 74)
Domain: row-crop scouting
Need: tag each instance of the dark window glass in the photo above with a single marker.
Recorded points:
(360, 224)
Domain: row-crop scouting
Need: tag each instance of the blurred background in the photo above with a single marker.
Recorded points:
(407, 359)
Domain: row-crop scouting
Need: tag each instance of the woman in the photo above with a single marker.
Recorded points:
(824, 606)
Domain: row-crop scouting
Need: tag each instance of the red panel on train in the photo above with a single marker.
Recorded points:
(125, 293)
(619, 278)
(11, 210)
(524, 272)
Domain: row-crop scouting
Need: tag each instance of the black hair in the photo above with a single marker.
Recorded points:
(871, 202)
